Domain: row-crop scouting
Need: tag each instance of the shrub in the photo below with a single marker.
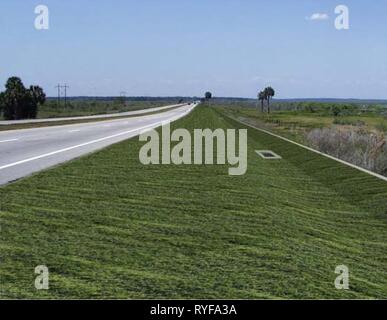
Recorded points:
(347, 122)
(381, 127)
(358, 147)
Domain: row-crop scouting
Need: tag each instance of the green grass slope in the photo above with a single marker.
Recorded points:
(108, 227)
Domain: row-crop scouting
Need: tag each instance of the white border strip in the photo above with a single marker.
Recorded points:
(274, 156)
(313, 150)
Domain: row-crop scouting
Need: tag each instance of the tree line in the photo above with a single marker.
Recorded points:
(18, 102)
(266, 95)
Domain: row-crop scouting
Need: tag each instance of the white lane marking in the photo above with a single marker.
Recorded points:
(77, 146)
(75, 130)
(141, 129)
(10, 140)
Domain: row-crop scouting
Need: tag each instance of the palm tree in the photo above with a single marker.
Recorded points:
(36, 97)
(2, 97)
(262, 98)
(208, 95)
(269, 93)
(17, 102)
(37, 94)
(14, 97)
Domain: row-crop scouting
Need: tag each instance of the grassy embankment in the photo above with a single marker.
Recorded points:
(109, 227)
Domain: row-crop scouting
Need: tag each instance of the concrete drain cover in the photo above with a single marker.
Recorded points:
(268, 155)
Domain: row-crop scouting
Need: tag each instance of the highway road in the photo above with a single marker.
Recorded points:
(99, 116)
(23, 152)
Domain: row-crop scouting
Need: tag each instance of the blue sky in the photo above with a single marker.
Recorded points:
(185, 47)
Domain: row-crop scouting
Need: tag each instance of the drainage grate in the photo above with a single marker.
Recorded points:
(268, 155)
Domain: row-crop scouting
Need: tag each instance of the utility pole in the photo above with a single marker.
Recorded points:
(58, 87)
(123, 94)
(65, 94)
(65, 87)
(123, 97)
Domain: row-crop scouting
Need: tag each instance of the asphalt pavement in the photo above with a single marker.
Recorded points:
(26, 151)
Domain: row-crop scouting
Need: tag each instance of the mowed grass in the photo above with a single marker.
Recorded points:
(107, 226)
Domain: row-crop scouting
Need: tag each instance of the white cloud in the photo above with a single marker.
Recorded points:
(318, 16)
(257, 79)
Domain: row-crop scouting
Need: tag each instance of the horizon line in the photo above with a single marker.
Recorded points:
(220, 97)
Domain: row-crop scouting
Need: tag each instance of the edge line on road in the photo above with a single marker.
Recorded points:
(9, 140)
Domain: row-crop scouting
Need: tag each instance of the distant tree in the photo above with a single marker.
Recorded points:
(208, 95)
(336, 110)
(262, 98)
(19, 102)
(14, 98)
(269, 94)
(1, 102)
(309, 107)
(36, 97)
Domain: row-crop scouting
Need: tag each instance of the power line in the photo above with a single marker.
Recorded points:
(65, 89)
(60, 87)
(123, 97)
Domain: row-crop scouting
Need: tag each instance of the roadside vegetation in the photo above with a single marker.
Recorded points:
(107, 226)
(352, 132)
(18, 102)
